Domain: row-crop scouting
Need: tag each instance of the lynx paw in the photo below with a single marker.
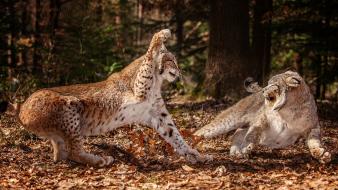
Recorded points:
(193, 156)
(165, 34)
(62, 155)
(326, 158)
(238, 153)
(105, 161)
(321, 155)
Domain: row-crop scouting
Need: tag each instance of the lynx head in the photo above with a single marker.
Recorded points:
(168, 67)
(282, 88)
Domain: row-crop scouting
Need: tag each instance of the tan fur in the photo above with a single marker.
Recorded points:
(274, 116)
(66, 114)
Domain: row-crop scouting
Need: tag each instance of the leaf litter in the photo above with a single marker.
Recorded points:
(144, 161)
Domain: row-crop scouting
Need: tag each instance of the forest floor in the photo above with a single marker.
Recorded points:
(143, 161)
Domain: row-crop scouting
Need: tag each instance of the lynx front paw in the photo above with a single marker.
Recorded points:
(321, 155)
(193, 156)
(105, 161)
(164, 34)
(238, 153)
(326, 158)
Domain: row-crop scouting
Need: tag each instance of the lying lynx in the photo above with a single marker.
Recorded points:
(66, 114)
(275, 116)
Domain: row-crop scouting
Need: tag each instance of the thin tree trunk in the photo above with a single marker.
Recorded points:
(124, 24)
(98, 11)
(24, 31)
(179, 27)
(141, 20)
(327, 5)
(324, 83)
(37, 36)
(227, 64)
(317, 61)
(261, 40)
(11, 41)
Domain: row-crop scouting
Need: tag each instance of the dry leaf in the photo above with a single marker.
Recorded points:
(187, 168)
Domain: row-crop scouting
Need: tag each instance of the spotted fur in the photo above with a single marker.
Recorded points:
(66, 114)
(274, 116)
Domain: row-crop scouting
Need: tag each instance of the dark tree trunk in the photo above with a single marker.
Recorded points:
(98, 11)
(179, 27)
(37, 67)
(227, 65)
(140, 20)
(261, 40)
(324, 75)
(55, 8)
(317, 61)
(24, 30)
(298, 59)
(11, 61)
(123, 14)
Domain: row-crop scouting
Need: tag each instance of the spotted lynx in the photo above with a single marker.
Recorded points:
(66, 114)
(274, 116)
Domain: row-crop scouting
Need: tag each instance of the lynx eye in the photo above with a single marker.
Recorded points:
(172, 74)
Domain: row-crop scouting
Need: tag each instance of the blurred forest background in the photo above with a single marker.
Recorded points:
(218, 43)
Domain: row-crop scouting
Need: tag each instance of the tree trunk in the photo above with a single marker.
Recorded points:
(227, 65)
(317, 61)
(261, 40)
(179, 27)
(123, 10)
(24, 31)
(140, 25)
(11, 41)
(37, 67)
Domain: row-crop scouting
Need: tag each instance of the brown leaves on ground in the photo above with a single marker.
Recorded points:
(144, 161)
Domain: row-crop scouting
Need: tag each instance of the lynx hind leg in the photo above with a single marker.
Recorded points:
(71, 126)
(59, 148)
(316, 148)
(78, 154)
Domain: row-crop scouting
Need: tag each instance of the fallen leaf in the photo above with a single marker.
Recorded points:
(187, 168)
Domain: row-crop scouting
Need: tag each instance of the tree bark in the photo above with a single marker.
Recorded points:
(261, 41)
(179, 27)
(227, 64)
(37, 67)
(11, 61)
(24, 31)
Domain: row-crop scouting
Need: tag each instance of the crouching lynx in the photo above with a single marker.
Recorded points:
(66, 114)
(274, 116)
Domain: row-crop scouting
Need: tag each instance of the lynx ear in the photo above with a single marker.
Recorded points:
(251, 85)
(293, 81)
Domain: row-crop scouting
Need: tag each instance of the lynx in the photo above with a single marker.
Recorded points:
(66, 114)
(274, 116)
